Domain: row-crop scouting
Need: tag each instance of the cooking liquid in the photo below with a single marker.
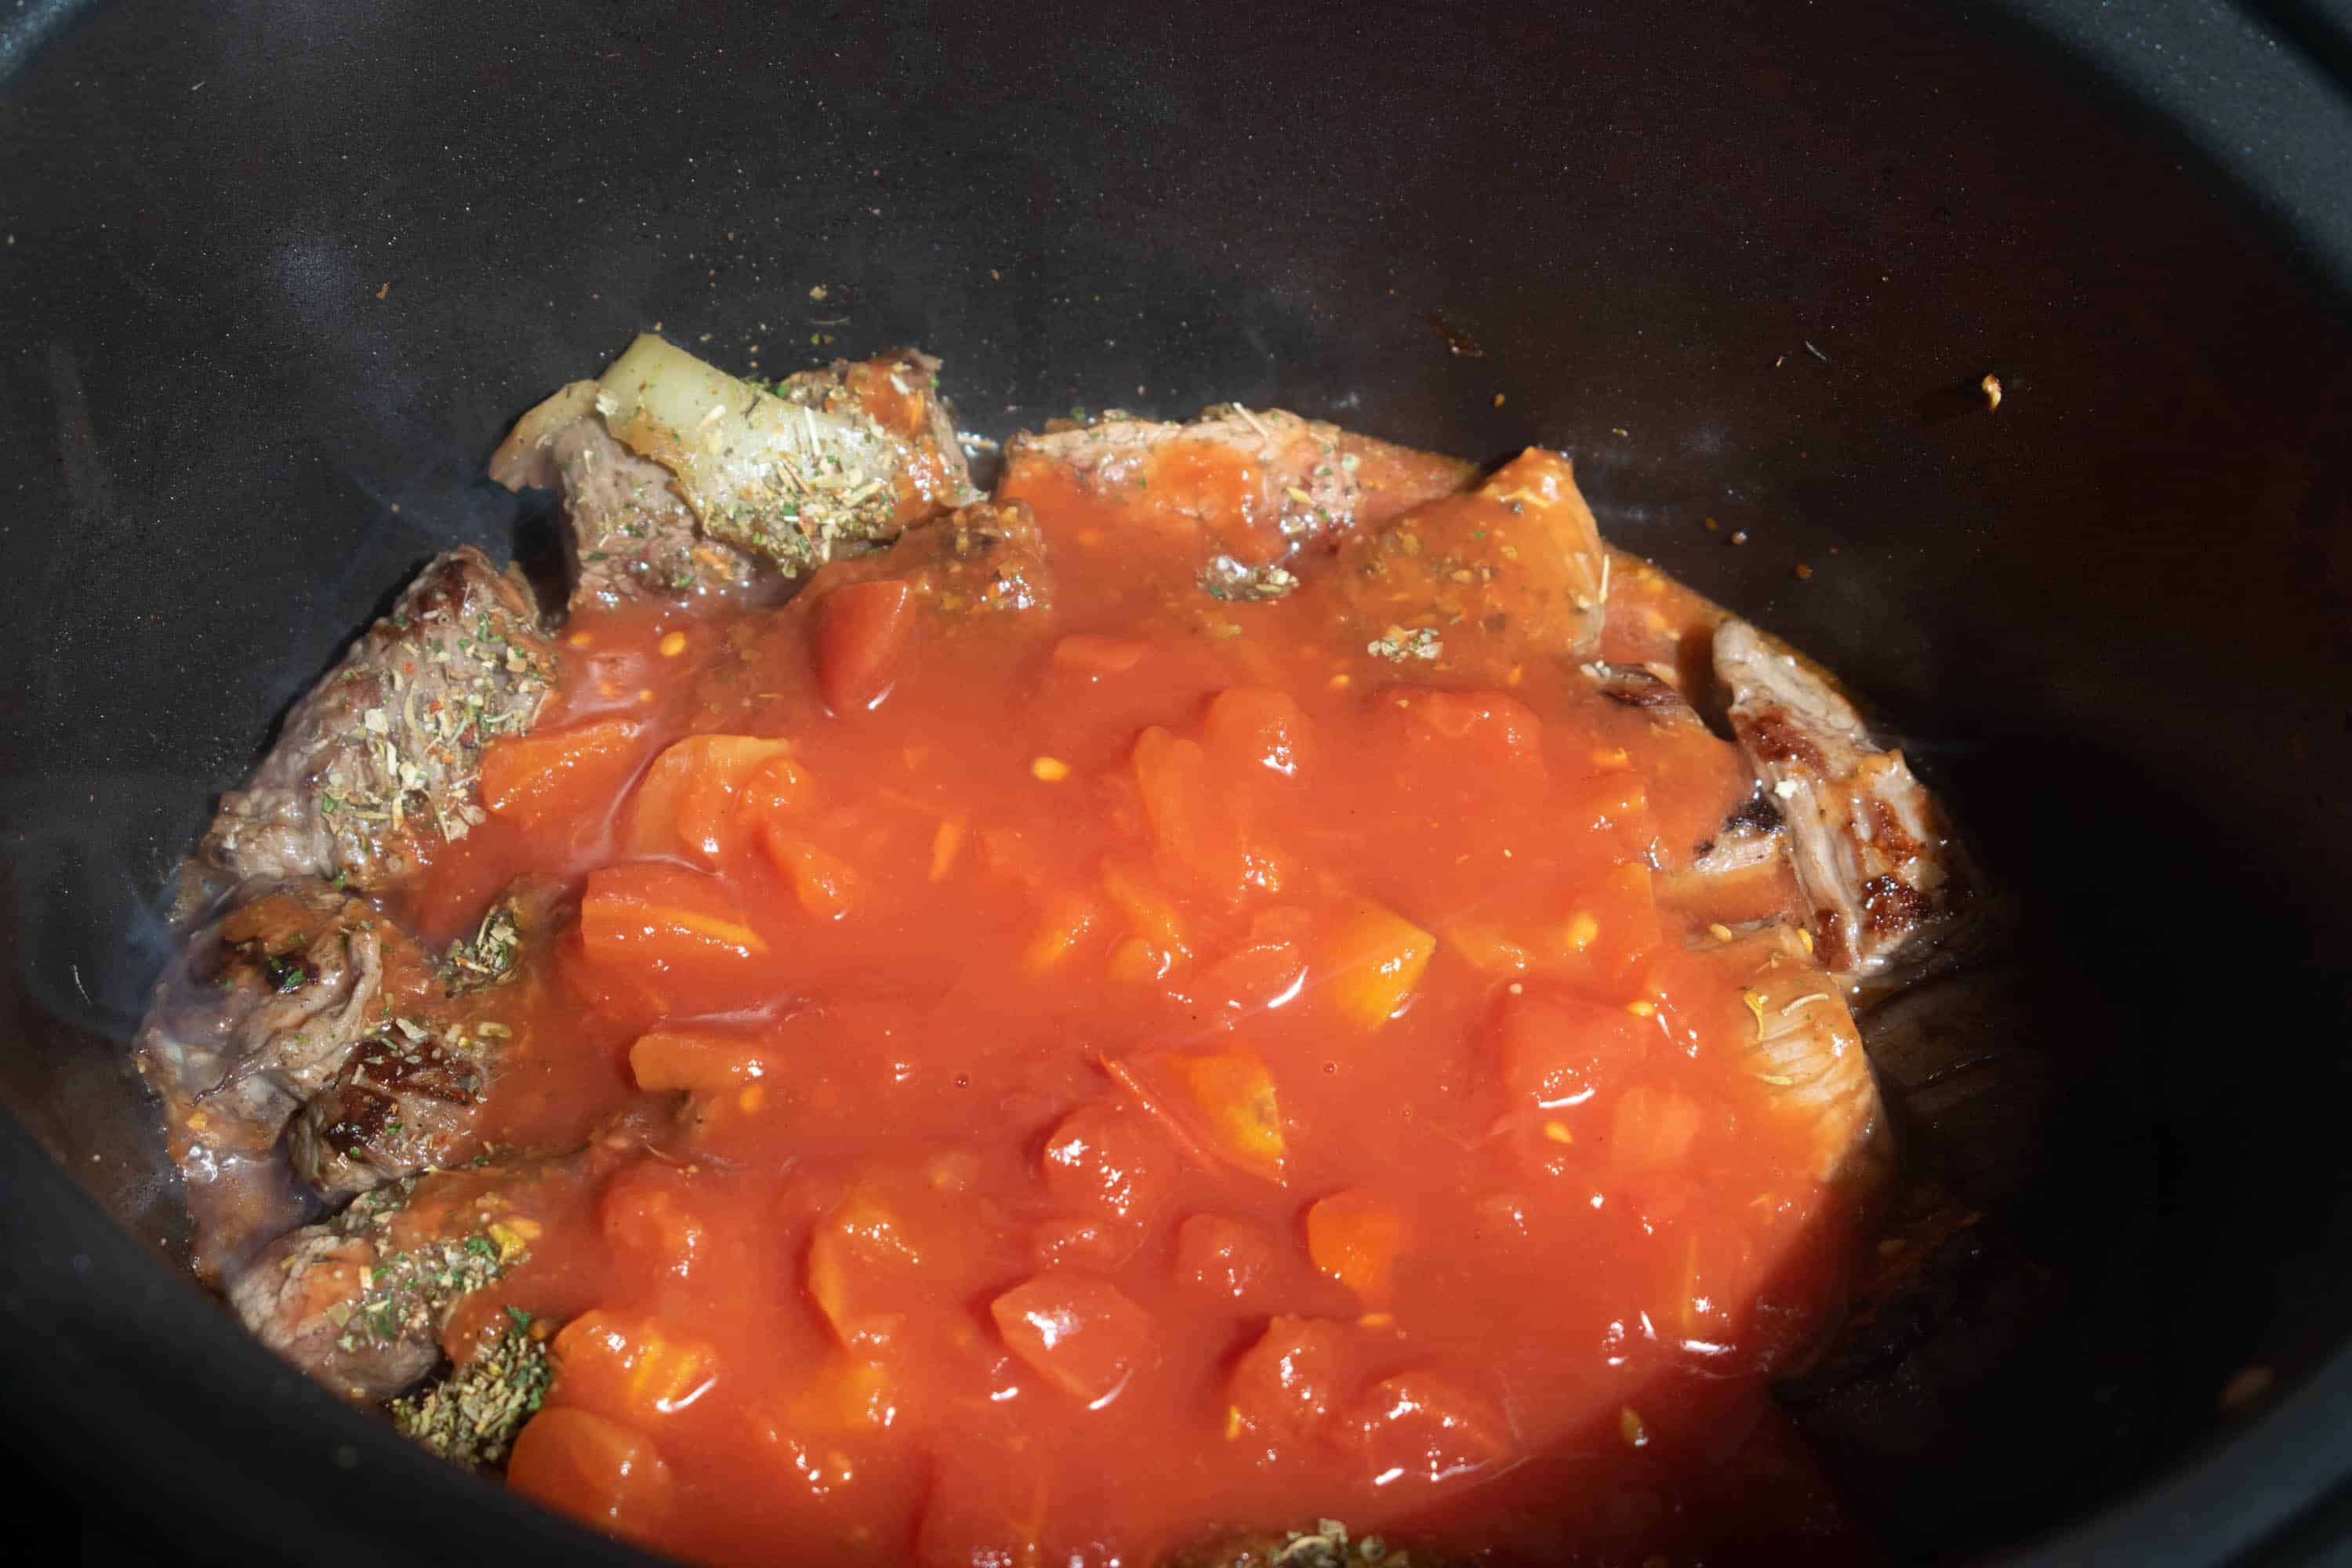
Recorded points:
(1149, 1067)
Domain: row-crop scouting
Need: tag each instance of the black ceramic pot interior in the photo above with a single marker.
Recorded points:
(275, 278)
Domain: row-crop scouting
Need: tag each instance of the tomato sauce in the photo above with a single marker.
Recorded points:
(1143, 1067)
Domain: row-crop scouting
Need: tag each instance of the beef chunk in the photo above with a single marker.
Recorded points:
(1886, 880)
(1256, 489)
(364, 1301)
(262, 1012)
(376, 767)
(406, 1099)
(404, 1102)
(678, 478)
(359, 1301)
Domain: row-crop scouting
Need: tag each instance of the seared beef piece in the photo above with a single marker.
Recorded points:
(630, 532)
(303, 1012)
(260, 1014)
(359, 1301)
(406, 1099)
(1647, 692)
(1873, 852)
(854, 451)
(300, 1298)
(1256, 488)
(1802, 1042)
(363, 1302)
(1749, 837)
(377, 765)
(404, 1102)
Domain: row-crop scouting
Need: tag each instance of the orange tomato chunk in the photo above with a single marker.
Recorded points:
(1223, 1257)
(634, 1368)
(1355, 1239)
(821, 881)
(596, 1471)
(1110, 1159)
(1416, 1427)
(687, 802)
(658, 917)
(1220, 1106)
(1373, 961)
(1285, 1384)
(1556, 1050)
(693, 1060)
(1080, 1334)
(533, 780)
(861, 631)
(1653, 1128)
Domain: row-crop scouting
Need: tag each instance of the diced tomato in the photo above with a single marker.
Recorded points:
(821, 880)
(1372, 960)
(631, 1367)
(1260, 974)
(558, 774)
(648, 1215)
(688, 801)
(1080, 1333)
(1150, 913)
(1069, 916)
(861, 632)
(847, 1394)
(1097, 656)
(1556, 1050)
(1255, 733)
(596, 1471)
(859, 1261)
(1612, 927)
(695, 1060)
(655, 920)
(779, 787)
(1200, 838)
(1223, 1257)
(1069, 1241)
(1355, 1238)
(1110, 1159)
(1219, 1105)
(1654, 1128)
(1416, 1427)
(1286, 1383)
(1487, 743)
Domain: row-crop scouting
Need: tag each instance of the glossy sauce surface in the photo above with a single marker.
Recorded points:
(1149, 1066)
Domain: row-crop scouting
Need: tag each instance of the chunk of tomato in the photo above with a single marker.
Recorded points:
(861, 631)
(1556, 1050)
(1416, 1427)
(1110, 1159)
(658, 919)
(1285, 1384)
(1223, 1257)
(687, 801)
(560, 775)
(1080, 1333)
(1355, 1238)
(596, 1471)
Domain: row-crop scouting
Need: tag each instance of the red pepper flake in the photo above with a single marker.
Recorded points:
(1803, 571)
